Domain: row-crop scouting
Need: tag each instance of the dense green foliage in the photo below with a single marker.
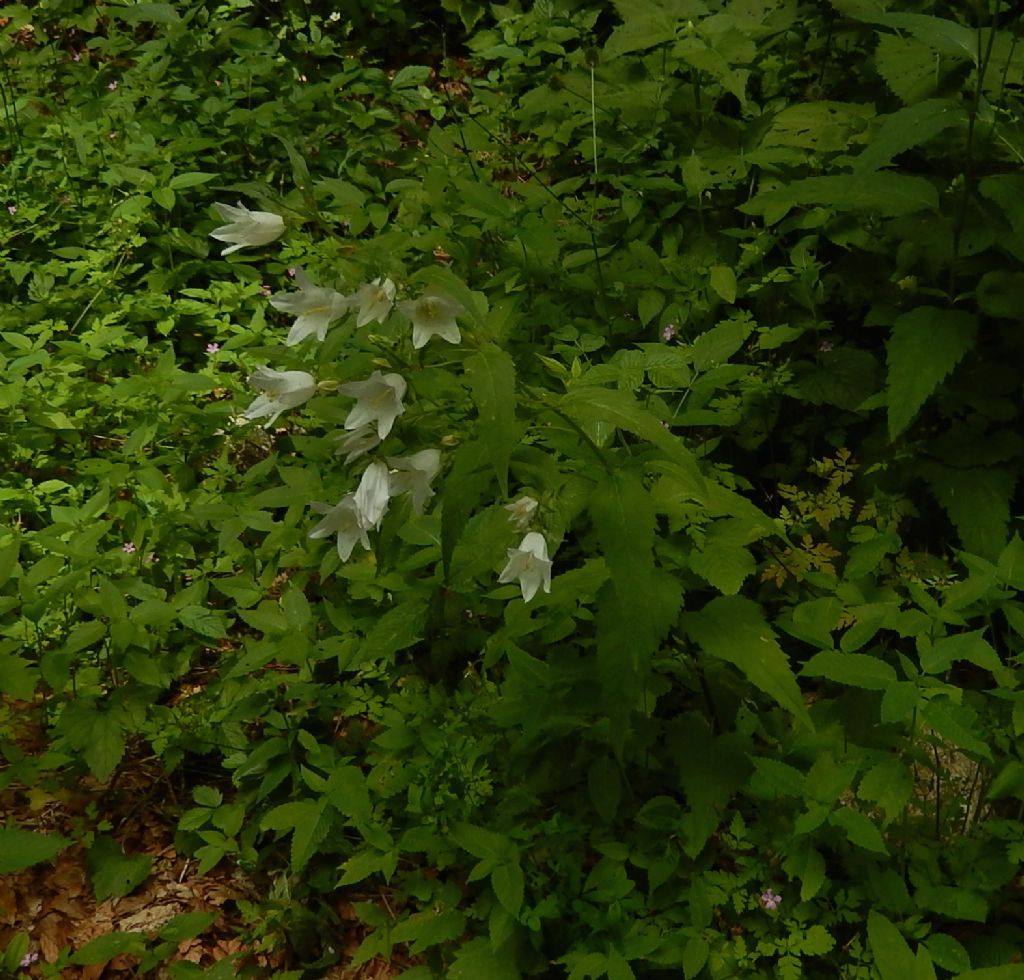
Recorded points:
(739, 290)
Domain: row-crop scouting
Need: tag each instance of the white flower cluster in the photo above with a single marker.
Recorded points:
(378, 401)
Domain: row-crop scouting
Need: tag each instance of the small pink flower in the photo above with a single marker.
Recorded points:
(27, 960)
(212, 348)
(291, 271)
(12, 208)
(113, 135)
(265, 290)
(668, 332)
(77, 56)
(112, 86)
(128, 548)
(151, 558)
(770, 900)
(825, 346)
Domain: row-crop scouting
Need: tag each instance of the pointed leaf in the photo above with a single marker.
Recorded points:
(491, 373)
(926, 344)
(733, 629)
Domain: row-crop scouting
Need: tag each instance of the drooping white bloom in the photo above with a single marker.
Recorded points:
(313, 306)
(432, 315)
(521, 511)
(246, 227)
(529, 563)
(358, 442)
(341, 519)
(373, 494)
(378, 399)
(283, 390)
(374, 300)
(413, 475)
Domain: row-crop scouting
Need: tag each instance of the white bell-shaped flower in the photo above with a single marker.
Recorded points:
(432, 315)
(521, 511)
(414, 474)
(374, 301)
(282, 390)
(373, 494)
(247, 228)
(378, 399)
(358, 442)
(314, 308)
(529, 563)
(343, 520)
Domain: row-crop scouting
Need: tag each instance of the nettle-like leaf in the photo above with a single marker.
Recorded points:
(733, 629)
(925, 345)
(906, 129)
(491, 374)
(638, 605)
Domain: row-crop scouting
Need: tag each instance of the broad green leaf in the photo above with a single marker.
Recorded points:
(491, 374)
(893, 957)
(883, 193)
(347, 792)
(888, 784)
(925, 345)
(18, 677)
(958, 724)
(695, 955)
(398, 629)
(1011, 971)
(948, 953)
(604, 785)
(20, 849)
(852, 669)
(733, 629)
(905, 129)
(205, 622)
(467, 481)
(188, 925)
(970, 646)
(717, 345)
(508, 883)
(723, 282)
(1009, 782)
(476, 960)
(429, 928)
(482, 843)
(977, 502)
(953, 902)
(618, 408)
(104, 948)
(192, 178)
(115, 874)
(639, 603)
(860, 830)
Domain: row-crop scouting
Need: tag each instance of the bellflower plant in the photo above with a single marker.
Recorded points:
(521, 511)
(343, 520)
(374, 301)
(378, 399)
(247, 228)
(358, 442)
(432, 315)
(314, 307)
(414, 474)
(282, 390)
(529, 563)
(371, 499)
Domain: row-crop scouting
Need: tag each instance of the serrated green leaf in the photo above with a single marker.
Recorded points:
(508, 883)
(491, 374)
(971, 646)
(882, 193)
(925, 345)
(905, 129)
(978, 504)
(20, 849)
(398, 629)
(347, 792)
(205, 622)
(695, 955)
(188, 925)
(860, 830)
(18, 677)
(733, 629)
(948, 953)
(723, 282)
(852, 669)
(620, 409)
(476, 960)
(103, 949)
(115, 874)
(893, 957)
(889, 784)
(639, 603)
